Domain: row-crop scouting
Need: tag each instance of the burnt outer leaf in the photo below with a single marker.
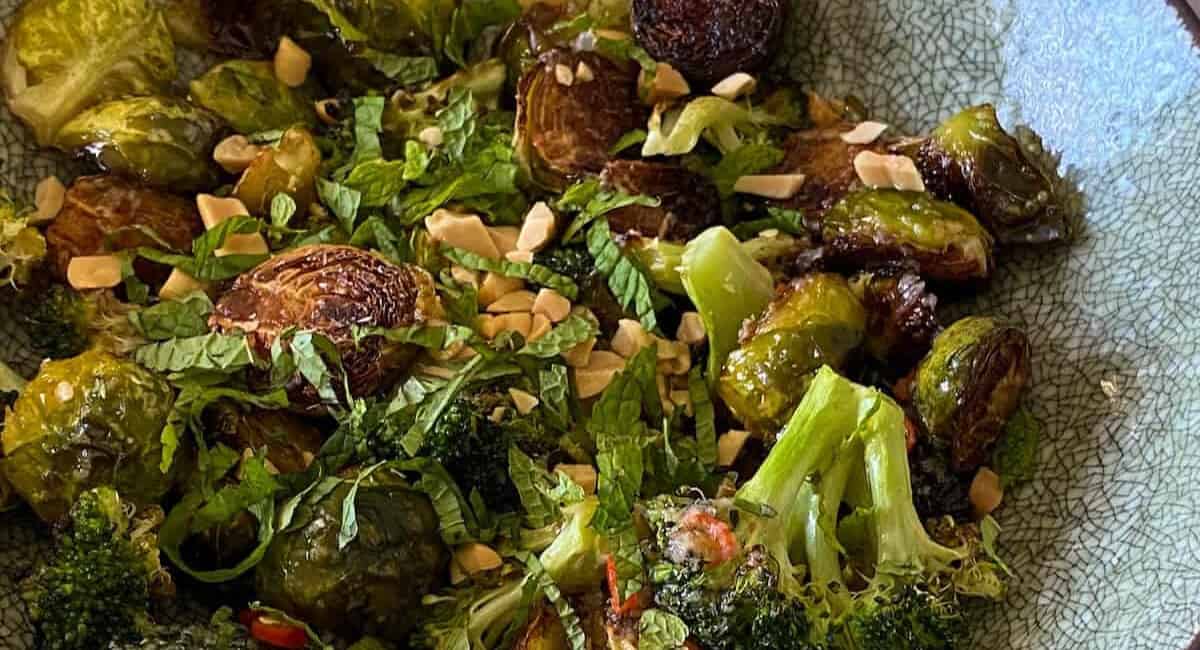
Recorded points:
(969, 385)
(230, 27)
(528, 38)
(708, 40)
(566, 131)
(108, 213)
(329, 290)
(901, 316)
(689, 202)
(827, 164)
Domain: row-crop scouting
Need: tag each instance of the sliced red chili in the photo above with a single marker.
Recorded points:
(277, 633)
(723, 544)
(631, 605)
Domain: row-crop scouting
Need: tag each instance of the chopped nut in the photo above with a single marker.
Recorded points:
(677, 365)
(583, 475)
(664, 391)
(465, 231)
(214, 210)
(564, 75)
(593, 379)
(580, 355)
(474, 558)
(180, 284)
(328, 110)
(519, 257)
(463, 275)
(292, 63)
(552, 304)
(235, 153)
(524, 402)
(735, 85)
(486, 324)
(496, 286)
(244, 244)
(691, 329)
(538, 228)
(772, 186)
(885, 170)
(94, 272)
(666, 85)
(583, 73)
(48, 197)
(865, 133)
(630, 337)
(729, 446)
(519, 322)
(541, 327)
(431, 136)
(498, 414)
(504, 237)
(610, 34)
(605, 360)
(672, 350)
(769, 233)
(985, 493)
(510, 302)
(682, 399)
(441, 372)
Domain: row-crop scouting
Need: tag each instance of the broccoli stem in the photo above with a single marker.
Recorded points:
(491, 615)
(820, 506)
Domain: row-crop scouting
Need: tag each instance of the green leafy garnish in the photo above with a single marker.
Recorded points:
(631, 285)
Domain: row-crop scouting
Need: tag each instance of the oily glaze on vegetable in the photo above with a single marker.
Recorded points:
(970, 384)
(290, 166)
(708, 40)
(827, 163)
(249, 98)
(330, 289)
(689, 202)
(901, 316)
(91, 420)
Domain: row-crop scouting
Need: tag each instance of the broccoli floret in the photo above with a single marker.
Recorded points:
(887, 617)
(472, 617)
(96, 588)
(572, 261)
(575, 559)
(472, 437)
(57, 319)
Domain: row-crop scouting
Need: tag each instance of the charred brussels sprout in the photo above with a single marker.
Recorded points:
(813, 321)
(528, 37)
(969, 385)
(91, 420)
(374, 584)
(62, 56)
(878, 227)
(159, 141)
(971, 160)
(331, 289)
(901, 316)
(108, 213)
(827, 164)
(230, 27)
(290, 167)
(566, 131)
(248, 96)
(708, 40)
(689, 201)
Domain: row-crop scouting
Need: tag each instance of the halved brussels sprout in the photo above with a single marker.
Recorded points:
(330, 290)
(528, 37)
(971, 160)
(62, 56)
(248, 96)
(901, 316)
(565, 131)
(91, 420)
(290, 167)
(970, 384)
(108, 213)
(157, 140)
(878, 227)
(374, 584)
(689, 201)
(827, 164)
(708, 40)
(813, 321)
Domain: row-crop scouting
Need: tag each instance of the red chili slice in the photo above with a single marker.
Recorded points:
(275, 632)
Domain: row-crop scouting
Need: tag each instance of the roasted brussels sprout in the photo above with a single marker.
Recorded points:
(230, 27)
(901, 316)
(331, 289)
(566, 131)
(290, 167)
(708, 40)
(827, 164)
(62, 56)
(969, 385)
(815, 320)
(374, 584)
(971, 160)
(878, 227)
(689, 201)
(528, 37)
(160, 141)
(91, 420)
(248, 96)
(108, 213)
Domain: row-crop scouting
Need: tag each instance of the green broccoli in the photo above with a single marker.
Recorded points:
(472, 437)
(96, 588)
(472, 617)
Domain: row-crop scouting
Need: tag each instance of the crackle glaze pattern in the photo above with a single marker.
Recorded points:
(1106, 542)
